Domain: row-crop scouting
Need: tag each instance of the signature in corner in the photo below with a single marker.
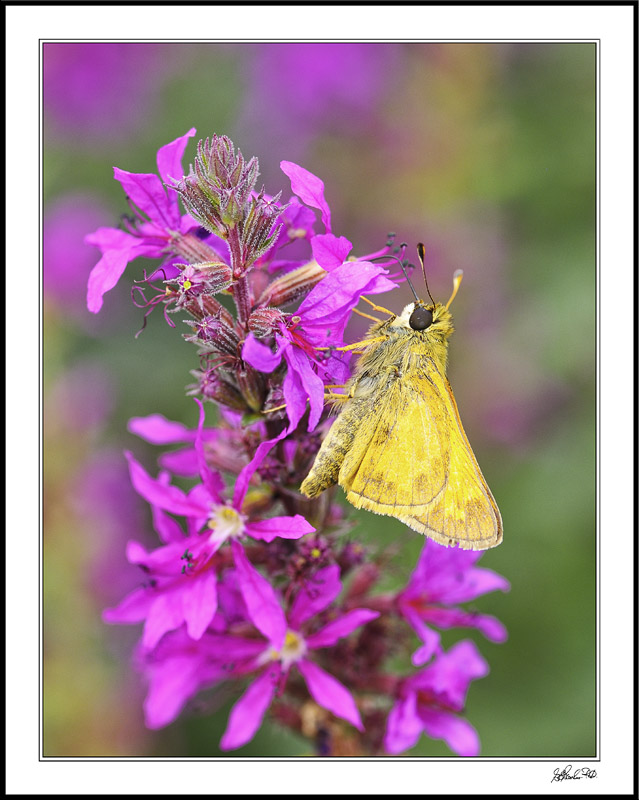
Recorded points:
(566, 774)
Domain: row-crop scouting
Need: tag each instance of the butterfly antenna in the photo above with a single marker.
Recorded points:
(457, 279)
(420, 253)
(403, 268)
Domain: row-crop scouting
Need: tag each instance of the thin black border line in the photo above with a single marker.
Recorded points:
(636, 403)
(328, 3)
(366, 759)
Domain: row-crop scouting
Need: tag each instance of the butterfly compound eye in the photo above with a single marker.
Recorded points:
(421, 318)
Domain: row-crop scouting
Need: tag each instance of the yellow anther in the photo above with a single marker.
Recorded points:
(291, 640)
(226, 521)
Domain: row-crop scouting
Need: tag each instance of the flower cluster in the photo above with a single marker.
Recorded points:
(255, 587)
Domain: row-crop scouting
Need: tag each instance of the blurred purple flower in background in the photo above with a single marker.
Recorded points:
(80, 400)
(67, 259)
(295, 90)
(90, 88)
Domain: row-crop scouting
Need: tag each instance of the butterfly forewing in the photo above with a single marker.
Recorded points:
(419, 467)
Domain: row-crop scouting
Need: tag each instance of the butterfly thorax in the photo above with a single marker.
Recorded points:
(402, 348)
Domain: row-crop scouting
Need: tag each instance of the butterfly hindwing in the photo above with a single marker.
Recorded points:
(417, 464)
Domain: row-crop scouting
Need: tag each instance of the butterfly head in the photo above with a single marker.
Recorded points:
(434, 320)
(428, 320)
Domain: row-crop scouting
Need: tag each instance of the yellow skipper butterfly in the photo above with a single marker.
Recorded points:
(398, 446)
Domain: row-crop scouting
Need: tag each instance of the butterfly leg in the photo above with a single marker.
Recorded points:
(356, 345)
(336, 397)
(367, 316)
(332, 396)
(376, 307)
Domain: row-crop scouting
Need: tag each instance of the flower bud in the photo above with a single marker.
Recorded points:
(191, 247)
(251, 384)
(214, 388)
(293, 285)
(206, 277)
(265, 322)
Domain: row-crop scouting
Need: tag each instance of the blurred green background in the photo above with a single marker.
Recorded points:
(486, 153)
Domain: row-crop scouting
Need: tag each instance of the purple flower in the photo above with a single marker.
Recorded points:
(309, 188)
(153, 233)
(322, 316)
(67, 260)
(289, 646)
(179, 667)
(223, 446)
(182, 577)
(443, 577)
(319, 322)
(295, 224)
(329, 251)
(430, 701)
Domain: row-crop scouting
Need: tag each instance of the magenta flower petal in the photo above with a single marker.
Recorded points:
(108, 271)
(285, 527)
(457, 732)
(244, 478)
(424, 653)
(169, 498)
(173, 682)
(403, 726)
(199, 603)
(181, 462)
(329, 634)
(228, 649)
(167, 528)
(131, 609)
(449, 574)
(259, 355)
(301, 383)
(329, 304)
(157, 429)
(330, 251)
(247, 714)
(169, 158)
(165, 614)
(113, 239)
(450, 674)
(490, 626)
(147, 192)
(329, 693)
(260, 598)
(211, 479)
(166, 560)
(316, 595)
(309, 188)
(430, 637)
